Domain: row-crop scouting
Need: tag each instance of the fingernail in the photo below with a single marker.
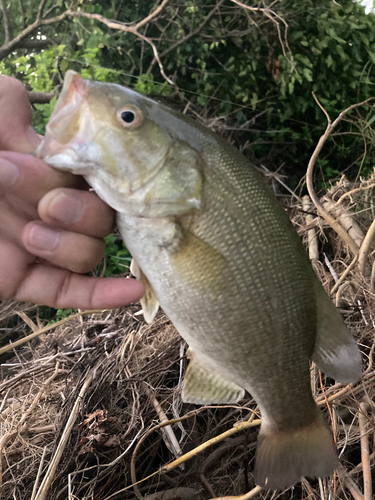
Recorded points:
(65, 208)
(43, 238)
(9, 173)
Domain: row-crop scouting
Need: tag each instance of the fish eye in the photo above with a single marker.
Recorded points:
(127, 116)
(130, 117)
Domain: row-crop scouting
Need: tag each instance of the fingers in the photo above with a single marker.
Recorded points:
(71, 209)
(31, 178)
(61, 289)
(16, 132)
(14, 262)
(77, 252)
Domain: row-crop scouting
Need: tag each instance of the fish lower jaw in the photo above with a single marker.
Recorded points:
(70, 163)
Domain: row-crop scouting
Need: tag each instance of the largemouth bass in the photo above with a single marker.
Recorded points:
(216, 251)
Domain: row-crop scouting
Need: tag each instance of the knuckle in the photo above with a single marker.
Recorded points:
(87, 260)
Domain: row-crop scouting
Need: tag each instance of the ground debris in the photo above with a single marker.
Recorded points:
(132, 374)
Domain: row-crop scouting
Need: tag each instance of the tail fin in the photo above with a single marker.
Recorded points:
(284, 457)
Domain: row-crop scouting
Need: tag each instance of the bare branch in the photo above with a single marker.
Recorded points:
(20, 41)
(130, 29)
(365, 451)
(276, 19)
(41, 97)
(310, 169)
(190, 35)
(6, 21)
(8, 47)
(40, 9)
(151, 16)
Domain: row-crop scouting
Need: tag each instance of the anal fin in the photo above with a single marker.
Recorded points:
(336, 352)
(202, 385)
(149, 302)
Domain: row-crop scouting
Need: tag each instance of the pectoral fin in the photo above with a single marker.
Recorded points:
(336, 352)
(149, 301)
(202, 385)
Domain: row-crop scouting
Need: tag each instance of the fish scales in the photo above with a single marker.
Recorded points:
(213, 247)
(248, 254)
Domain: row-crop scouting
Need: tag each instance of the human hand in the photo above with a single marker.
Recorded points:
(50, 230)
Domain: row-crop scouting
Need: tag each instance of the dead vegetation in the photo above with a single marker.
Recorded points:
(85, 405)
(90, 405)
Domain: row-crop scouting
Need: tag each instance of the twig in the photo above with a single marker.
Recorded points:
(8, 47)
(36, 483)
(172, 440)
(48, 478)
(6, 21)
(131, 29)
(206, 484)
(251, 494)
(275, 18)
(365, 452)
(41, 97)
(330, 268)
(23, 425)
(40, 9)
(328, 407)
(152, 15)
(187, 37)
(344, 274)
(310, 170)
(365, 248)
(190, 454)
(172, 465)
(312, 238)
(45, 329)
(350, 193)
(372, 279)
(349, 483)
(29, 322)
(345, 219)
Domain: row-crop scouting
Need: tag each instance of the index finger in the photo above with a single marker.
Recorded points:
(32, 178)
(16, 132)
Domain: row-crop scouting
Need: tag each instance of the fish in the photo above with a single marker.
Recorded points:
(215, 250)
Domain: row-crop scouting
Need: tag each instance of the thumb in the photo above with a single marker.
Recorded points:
(16, 131)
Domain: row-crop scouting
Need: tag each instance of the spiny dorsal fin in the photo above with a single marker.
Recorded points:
(336, 352)
(149, 301)
(203, 386)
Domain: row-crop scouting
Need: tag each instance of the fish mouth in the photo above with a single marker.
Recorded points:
(62, 141)
(76, 141)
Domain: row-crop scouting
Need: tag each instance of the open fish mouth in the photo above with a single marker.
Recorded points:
(68, 143)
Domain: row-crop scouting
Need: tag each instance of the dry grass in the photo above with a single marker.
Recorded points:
(75, 401)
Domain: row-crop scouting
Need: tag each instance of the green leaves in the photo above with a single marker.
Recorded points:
(237, 66)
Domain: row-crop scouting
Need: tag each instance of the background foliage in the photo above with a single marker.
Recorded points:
(247, 71)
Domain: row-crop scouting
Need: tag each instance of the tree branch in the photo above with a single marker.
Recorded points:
(6, 21)
(40, 9)
(132, 29)
(8, 47)
(41, 97)
(310, 169)
(20, 41)
(190, 35)
(152, 15)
